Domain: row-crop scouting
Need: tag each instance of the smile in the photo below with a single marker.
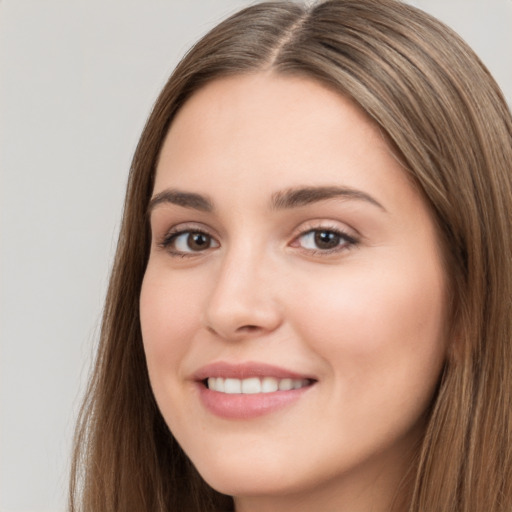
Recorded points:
(242, 391)
(254, 385)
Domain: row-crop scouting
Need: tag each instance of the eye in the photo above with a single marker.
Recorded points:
(324, 240)
(184, 243)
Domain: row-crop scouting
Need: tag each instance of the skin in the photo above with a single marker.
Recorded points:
(366, 319)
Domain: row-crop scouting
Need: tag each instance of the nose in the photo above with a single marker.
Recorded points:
(243, 303)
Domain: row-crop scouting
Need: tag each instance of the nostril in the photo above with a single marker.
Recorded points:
(244, 329)
(248, 328)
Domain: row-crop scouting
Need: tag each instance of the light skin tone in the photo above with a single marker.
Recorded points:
(285, 232)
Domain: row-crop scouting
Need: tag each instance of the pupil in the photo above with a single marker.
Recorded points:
(198, 241)
(326, 239)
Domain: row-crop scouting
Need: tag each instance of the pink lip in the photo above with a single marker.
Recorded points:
(246, 406)
(246, 370)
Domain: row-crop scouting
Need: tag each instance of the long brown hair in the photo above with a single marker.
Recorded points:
(448, 121)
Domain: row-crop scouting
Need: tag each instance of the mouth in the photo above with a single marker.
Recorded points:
(248, 390)
(254, 385)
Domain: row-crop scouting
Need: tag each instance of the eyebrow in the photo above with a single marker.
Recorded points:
(180, 198)
(302, 196)
(287, 199)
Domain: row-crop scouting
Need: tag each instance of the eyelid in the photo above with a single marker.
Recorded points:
(164, 240)
(350, 236)
(327, 225)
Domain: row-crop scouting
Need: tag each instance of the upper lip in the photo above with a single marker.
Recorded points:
(246, 370)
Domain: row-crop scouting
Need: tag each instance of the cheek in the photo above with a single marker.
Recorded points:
(381, 325)
(169, 315)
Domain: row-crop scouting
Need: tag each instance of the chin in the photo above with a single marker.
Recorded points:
(251, 477)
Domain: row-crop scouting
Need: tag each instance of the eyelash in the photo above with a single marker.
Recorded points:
(170, 239)
(345, 241)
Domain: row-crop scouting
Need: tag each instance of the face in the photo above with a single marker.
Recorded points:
(293, 304)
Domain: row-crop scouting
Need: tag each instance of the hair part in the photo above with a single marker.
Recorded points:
(448, 121)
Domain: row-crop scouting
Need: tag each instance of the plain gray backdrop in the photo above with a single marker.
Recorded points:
(78, 79)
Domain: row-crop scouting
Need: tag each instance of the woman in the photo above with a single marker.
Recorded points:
(310, 305)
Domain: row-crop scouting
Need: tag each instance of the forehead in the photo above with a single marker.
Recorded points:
(247, 103)
(267, 132)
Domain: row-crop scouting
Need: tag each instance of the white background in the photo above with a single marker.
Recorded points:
(78, 79)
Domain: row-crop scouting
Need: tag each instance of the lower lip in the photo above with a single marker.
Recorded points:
(247, 406)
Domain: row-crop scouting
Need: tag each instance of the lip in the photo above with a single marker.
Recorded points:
(246, 370)
(247, 406)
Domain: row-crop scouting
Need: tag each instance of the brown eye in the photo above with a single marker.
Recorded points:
(326, 239)
(187, 242)
(198, 241)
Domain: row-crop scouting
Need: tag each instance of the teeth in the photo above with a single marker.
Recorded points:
(285, 385)
(219, 384)
(269, 385)
(232, 386)
(254, 385)
(251, 386)
(297, 384)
